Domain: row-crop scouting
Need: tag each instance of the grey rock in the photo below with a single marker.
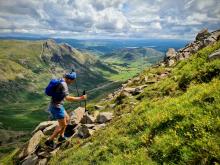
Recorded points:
(210, 40)
(77, 115)
(171, 53)
(89, 126)
(216, 35)
(133, 91)
(142, 87)
(186, 55)
(215, 55)
(49, 130)
(84, 131)
(104, 117)
(42, 161)
(44, 125)
(30, 160)
(31, 145)
(202, 34)
(44, 154)
(99, 126)
(87, 119)
(180, 56)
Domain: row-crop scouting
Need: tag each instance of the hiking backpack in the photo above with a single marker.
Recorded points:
(55, 89)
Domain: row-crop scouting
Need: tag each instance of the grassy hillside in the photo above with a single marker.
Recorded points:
(174, 121)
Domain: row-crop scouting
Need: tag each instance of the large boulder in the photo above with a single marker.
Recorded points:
(104, 117)
(85, 131)
(49, 130)
(87, 119)
(99, 126)
(215, 55)
(202, 35)
(170, 57)
(77, 115)
(133, 91)
(31, 145)
(42, 161)
(30, 160)
(44, 125)
(171, 53)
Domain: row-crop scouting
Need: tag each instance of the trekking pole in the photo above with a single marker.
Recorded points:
(84, 92)
(86, 112)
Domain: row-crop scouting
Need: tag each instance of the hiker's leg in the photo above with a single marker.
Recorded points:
(55, 132)
(67, 117)
(63, 125)
(59, 114)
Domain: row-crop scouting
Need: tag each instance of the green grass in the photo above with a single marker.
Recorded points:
(175, 121)
(8, 160)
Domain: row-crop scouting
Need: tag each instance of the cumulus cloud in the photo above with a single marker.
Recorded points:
(109, 18)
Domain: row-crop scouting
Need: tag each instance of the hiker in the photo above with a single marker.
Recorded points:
(57, 110)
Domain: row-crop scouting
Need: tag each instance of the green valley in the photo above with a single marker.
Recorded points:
(27, 66)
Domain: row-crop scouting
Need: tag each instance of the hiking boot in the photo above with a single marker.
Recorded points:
(61, 139)
(50, 144)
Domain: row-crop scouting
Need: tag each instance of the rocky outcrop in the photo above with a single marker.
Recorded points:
(215, 55)
(203, 34)
(83, 125)
(87, 119)
(104, 117)
(44, 125)
(77, 115)
(203, 39)
(170, 56)
(30, 147)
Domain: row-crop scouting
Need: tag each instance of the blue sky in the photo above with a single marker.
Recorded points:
(176, 19)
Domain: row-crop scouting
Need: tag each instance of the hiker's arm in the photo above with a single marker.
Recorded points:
(71, 98)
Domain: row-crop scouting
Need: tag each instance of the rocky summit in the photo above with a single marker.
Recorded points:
(203, 39)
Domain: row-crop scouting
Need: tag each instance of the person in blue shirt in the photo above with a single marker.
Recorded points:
(57, 110)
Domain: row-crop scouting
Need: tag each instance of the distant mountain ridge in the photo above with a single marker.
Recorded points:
(131, 54)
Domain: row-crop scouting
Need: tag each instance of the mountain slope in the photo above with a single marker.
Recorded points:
(175, 120)
(26, 68)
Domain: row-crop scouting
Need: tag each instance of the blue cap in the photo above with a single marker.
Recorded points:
(71, 76)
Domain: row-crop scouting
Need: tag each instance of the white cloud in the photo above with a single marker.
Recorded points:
(156, 25)
(136, 18)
